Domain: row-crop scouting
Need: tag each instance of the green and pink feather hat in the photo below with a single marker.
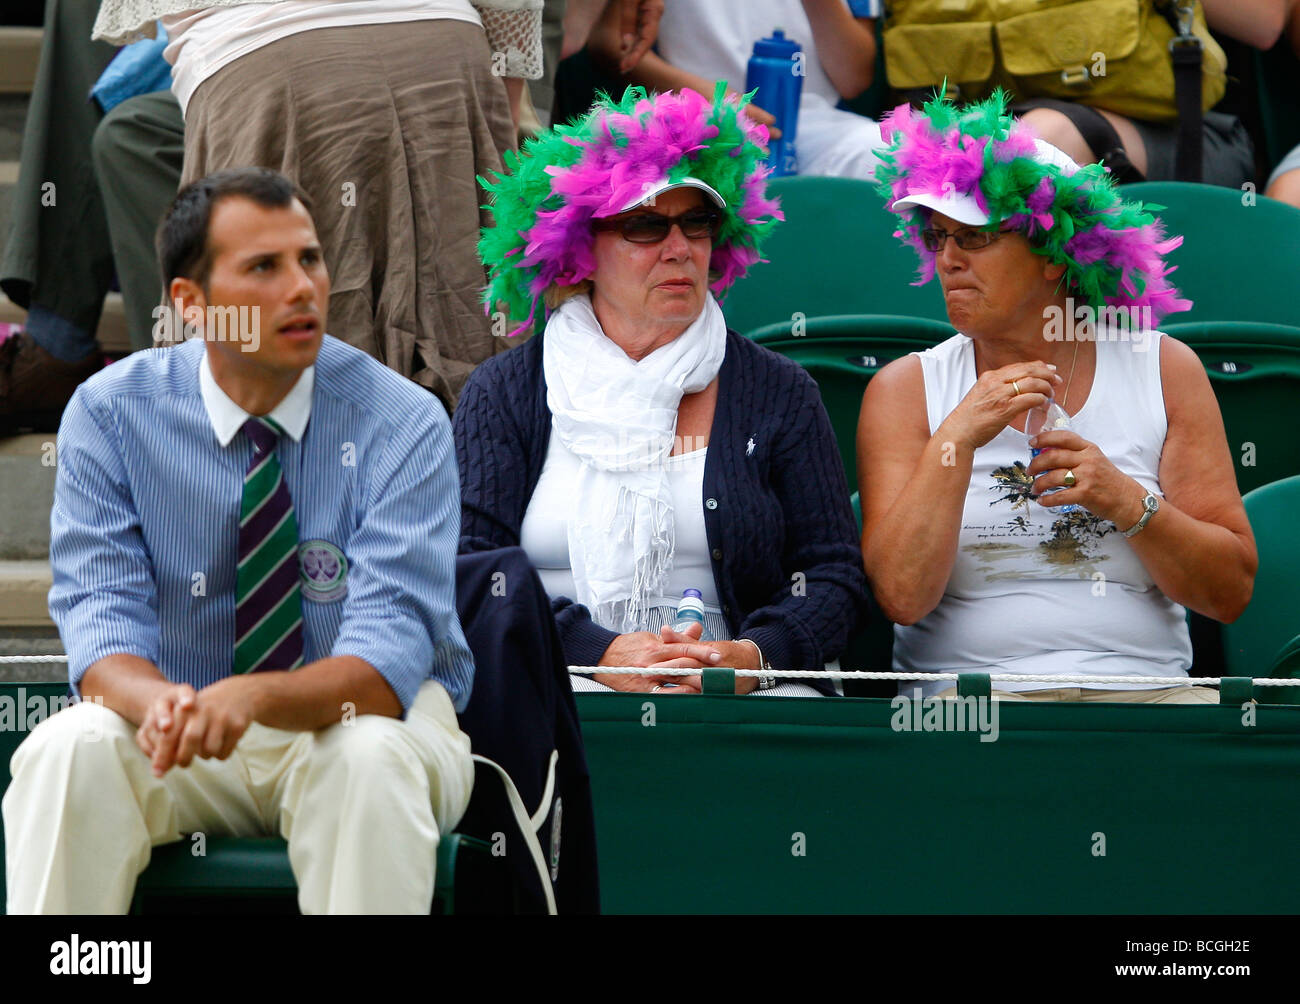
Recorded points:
(606, 162)
(981, 166)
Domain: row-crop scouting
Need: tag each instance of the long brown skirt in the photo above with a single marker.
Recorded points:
(385, 127)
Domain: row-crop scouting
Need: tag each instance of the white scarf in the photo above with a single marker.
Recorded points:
(619, 417)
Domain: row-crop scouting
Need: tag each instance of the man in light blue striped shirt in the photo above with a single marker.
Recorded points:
(171, 526)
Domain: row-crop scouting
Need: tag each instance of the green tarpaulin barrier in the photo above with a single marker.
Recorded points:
(788, 805)
(744, 805)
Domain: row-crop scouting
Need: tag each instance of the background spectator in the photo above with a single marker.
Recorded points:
(57, 263)
(1137, 150)
(699, 43)
(1284, 183)
(139, 149)
(636, 25)
(384, 112)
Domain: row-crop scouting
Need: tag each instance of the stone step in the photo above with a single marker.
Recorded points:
(27, 484)
(20, 54)
(26, 495)
(24, 590)
(20, 642)
(8, 178)
(113, 336)
(13, 119)
(26, 492)
(25, 624)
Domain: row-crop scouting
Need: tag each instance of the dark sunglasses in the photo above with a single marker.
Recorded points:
(934, 238)
(651, 228)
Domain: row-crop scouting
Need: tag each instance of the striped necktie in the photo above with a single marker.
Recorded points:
(268, 598)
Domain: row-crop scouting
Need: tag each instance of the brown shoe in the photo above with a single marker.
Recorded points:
(35, 386)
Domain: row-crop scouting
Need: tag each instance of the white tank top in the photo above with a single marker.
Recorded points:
(1035, 592)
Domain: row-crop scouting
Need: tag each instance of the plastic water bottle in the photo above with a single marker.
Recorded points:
(1047, 418)
(775, 69)
(690, 610)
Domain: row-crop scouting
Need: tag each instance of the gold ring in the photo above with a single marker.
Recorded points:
(1016, 387)
(656, 689)
(1070, 480)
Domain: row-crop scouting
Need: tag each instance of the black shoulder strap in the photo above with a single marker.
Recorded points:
(1187, 54)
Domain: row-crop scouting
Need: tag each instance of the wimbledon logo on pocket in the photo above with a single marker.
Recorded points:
(323, 570)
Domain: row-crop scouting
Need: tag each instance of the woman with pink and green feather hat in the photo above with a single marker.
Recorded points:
(1046, 492)
(637, 449)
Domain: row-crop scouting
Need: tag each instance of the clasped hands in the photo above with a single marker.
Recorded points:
(181, 723)
(671, 649)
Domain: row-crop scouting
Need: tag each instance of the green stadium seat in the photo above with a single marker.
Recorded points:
(257, 869)
(1238, 260)
(842, 353)
(834, 254)
(232, 872)
(1263, 640)
(1255, 371)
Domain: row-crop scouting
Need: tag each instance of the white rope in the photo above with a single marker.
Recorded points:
(838, 674)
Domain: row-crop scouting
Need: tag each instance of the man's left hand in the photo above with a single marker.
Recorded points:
(222, 713)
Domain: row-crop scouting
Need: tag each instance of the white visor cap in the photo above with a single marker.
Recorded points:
(964, 208)
(655, 191)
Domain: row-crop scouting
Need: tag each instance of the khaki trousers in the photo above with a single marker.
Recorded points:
(1167, 695)
(361, 805)
(386, 127)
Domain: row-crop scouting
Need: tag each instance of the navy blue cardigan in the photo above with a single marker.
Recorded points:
(776, 504)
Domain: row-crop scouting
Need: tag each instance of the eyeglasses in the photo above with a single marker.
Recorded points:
(651, 228)
(934, 238)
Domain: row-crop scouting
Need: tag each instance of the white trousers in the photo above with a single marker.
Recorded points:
(361, 805)
(838, 144)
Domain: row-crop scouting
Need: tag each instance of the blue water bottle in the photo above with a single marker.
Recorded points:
(776, 69)
(690, 610)
(1048, 417)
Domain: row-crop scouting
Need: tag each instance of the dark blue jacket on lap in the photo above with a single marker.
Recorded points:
(520, 711)
(776, 504)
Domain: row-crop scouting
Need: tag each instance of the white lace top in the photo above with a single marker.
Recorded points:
(513, 27)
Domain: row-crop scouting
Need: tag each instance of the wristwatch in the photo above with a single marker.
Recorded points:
(1150, 503)
(765, 682)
